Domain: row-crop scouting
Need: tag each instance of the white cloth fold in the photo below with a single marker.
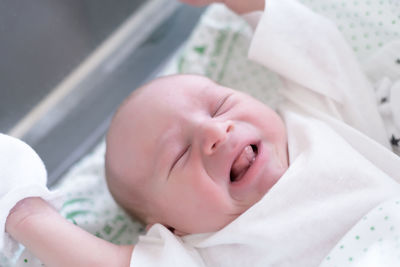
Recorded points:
(22, 175)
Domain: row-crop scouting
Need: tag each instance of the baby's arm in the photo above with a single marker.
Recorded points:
(57, 242)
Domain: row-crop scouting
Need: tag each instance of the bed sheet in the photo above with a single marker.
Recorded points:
(373, 241)
(217, 48)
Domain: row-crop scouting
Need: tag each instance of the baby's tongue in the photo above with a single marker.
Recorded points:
(243, 161)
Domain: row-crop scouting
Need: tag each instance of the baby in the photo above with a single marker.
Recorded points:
(192, 155)
(206, 168)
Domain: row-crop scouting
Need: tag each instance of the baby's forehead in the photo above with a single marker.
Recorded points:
(188, 85)
(176, 91)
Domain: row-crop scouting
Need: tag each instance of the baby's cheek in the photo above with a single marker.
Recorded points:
(207, 206)
(217, 200)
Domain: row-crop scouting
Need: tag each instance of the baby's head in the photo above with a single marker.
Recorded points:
(192, 155)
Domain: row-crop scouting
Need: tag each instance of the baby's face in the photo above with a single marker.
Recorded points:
(205, 153)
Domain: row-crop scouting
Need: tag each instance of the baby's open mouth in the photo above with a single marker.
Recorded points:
(243, 162)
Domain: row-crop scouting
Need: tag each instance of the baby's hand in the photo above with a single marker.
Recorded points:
(22, 174)
(28, 207)
(239, 6)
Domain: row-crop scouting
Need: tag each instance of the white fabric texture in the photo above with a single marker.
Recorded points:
(340, 164)
(373, 241)
(22, 175)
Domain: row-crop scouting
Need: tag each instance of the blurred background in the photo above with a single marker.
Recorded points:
(65, 65)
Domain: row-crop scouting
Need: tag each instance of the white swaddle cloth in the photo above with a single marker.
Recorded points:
(22, 175)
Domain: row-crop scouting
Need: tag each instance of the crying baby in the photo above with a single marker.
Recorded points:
(192, 155)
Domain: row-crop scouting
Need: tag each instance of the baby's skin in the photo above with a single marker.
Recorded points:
(193, 155)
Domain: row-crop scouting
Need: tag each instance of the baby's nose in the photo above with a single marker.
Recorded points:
(214, 133)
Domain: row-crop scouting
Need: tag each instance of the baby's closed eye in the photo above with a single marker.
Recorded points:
(180, 156)
(219, 105)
